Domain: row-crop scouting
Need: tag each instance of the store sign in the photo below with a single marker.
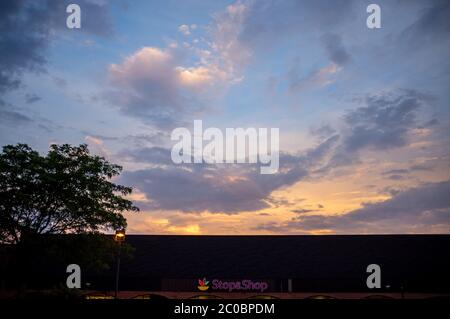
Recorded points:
(238, 285)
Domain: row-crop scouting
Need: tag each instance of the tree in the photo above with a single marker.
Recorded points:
(67, 191)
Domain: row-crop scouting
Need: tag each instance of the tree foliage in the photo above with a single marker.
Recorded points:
(67, 191)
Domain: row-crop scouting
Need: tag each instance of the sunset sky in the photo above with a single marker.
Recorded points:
(364, 114)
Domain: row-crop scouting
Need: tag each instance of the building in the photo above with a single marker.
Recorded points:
(412, 266)
(331, 266)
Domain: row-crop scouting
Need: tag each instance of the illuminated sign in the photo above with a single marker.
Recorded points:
(203, 284)
(233, 285)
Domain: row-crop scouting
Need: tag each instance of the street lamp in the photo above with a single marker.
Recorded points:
(119, 237)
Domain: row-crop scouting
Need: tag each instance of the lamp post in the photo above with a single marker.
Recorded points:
(119, 237)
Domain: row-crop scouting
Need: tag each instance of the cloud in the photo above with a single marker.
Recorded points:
(423, 207)
(187, 29)
(151, 85)
(430, 123)
(303, 211)
(184, 29)
(317, 78)
(165, 86)
(154, 155)
(323, 131)
(218, 188)
(396, 174)
(396, 171)
(60, 82)
(267, 25)
(227, 48)
(420, 167)
(96, 146)
(140, 141)
(432, 25)
(22, 41)
(335, 49)
(32, 98)
(27, 29)
(384, 122)
(147, 84)
(12, 117)
(403, 173)
(198, 190)
(272, 21)
(396, 177)
(428, 203)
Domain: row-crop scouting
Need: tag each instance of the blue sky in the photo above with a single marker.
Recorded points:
(363, 113)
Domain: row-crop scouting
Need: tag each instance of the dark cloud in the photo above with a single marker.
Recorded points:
(197, 190)
(12, 117)
(335, 49)
(396, 171)
(32, 98)
(432, 25)
(381, 123)
(23, 36)
(390, 190)
(420, 167)
(26, 31)
(45, 128)
(427, 205)
(27, 27)
(281, 201)
(270, 21)
(264, 214)
(62, 83)
(216, 188)
(403, 173)
(208, 188)
(17, 117)
(303, 211)
(384, 122)
(396, 177)
(430, 123)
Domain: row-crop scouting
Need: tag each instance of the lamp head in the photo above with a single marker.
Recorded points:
(120, 235)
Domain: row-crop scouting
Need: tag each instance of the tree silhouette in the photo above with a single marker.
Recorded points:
(67, 191)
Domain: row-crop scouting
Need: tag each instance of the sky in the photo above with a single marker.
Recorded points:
(363, 114)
